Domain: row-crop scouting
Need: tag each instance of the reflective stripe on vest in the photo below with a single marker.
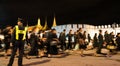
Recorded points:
(20, 32)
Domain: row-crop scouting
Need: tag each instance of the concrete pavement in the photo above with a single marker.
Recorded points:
(71, 59)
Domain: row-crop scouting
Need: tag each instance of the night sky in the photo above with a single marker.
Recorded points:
(95, 12)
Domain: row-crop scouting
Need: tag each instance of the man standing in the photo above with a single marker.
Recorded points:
(100, 41)
(62, 39)
(69, 35)
(82, 45)
(18, 40)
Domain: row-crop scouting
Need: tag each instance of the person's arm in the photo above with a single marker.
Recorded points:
(13, 35)
(27, 40)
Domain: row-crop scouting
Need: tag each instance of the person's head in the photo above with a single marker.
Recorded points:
(88, 34)
(100, 31)
(80, 29)
(20, 22)
(95, 34)
(118, 35)
(106, 32)
(70, 32)
(43, 32)
(77, 31)
(64, 30)
(112, 33)
(84, 32)
(54, 31)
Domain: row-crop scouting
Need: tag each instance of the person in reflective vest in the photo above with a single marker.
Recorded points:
(18, 31)
(19, 36)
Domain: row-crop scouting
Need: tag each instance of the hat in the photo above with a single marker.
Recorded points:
(20, 20)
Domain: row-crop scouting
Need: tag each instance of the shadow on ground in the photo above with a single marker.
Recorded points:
(60, 55)
(37, 63)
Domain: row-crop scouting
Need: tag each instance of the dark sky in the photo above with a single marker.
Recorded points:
(95, 12)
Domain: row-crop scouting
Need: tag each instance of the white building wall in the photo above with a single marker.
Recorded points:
(88, 28)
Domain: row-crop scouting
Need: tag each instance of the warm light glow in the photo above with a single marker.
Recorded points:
(99, 27)
(39, 24)
(109, 26)
(54, 22)
(45, 26)
(105, 26)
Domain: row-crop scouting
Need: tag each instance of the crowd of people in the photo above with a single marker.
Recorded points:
(41, 43)
(47, 43)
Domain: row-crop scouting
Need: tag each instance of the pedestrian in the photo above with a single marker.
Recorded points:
(33, 42)
(69, 35)
(81, 40)
(53, 40)
(19, 36)
(100, 42)
(118, 41)
(7, 38)
(95, 43)
(62, 39)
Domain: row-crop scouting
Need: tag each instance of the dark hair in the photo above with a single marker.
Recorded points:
(64, 30)
(53, 30)
(100, 30)
(80, 28)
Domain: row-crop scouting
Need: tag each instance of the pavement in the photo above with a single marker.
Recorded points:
(70, 58)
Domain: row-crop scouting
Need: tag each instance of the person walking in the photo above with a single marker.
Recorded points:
(7, 38)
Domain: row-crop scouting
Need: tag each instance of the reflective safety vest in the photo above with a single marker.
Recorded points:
(20, 32)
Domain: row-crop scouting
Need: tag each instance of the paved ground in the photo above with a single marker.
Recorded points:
(68, 60)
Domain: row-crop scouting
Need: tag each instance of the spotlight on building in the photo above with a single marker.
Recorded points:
(117, 25)
(105, 26)
(109, 26)
(96, 27)
(99, 26)
(102, 26)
